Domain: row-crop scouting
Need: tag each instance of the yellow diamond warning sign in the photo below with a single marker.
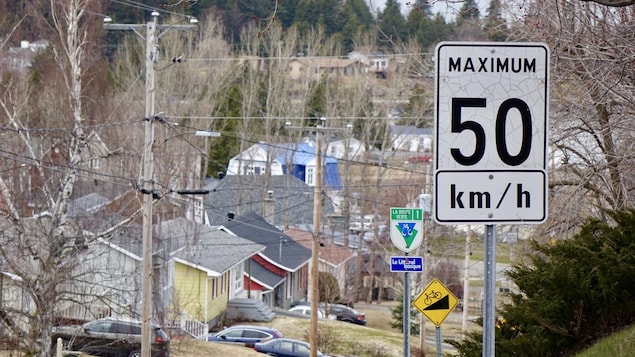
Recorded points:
(436, 302)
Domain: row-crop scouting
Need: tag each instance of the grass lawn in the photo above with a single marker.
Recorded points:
(377, 339)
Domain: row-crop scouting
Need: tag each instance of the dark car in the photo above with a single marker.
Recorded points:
(246, 334)
(285, 347)
(111, 337)
(346, 314)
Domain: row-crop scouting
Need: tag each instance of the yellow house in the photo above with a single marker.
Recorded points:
(203, 271)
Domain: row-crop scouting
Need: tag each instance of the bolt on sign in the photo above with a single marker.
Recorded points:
(436, 302)
(406, 228)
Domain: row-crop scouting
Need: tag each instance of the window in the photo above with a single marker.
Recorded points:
(94, 163)
(301, 348)
(255, 334)
(284, 346)
(124, 328)
(237, 274)
(214, 288)
(310, 176)
(100, 326)
(234, 333)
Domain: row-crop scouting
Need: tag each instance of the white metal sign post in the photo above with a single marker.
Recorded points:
(491, 142)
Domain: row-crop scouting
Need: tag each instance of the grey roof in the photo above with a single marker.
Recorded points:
(409, 130)
(280, 249)
(84, 205)
(205, 246)
(293, 199)
(264, 276)
(129, 238)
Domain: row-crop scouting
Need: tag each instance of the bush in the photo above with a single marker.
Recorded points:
(571, 293)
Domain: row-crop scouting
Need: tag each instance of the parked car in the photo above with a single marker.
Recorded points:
(420, 158)
(285, 347)
(346, 314)
(246, 334)
(111, 336)
(306, 310)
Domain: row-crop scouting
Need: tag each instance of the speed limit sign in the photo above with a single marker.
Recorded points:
(491, 132)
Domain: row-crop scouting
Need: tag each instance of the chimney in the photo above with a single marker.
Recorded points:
(230, 215)
(269, 208)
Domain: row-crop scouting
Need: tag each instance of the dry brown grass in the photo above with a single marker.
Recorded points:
(378, 333)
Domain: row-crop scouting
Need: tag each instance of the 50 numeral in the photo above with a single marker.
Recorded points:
(458, 125)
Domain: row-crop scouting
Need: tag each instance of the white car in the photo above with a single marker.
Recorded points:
(306, 310)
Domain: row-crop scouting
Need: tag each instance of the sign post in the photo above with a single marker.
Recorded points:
(436, 302)
(406, 233)
(491, 120)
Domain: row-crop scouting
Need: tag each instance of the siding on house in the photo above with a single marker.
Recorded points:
(190, 289)
(200, 265)
(282, 257)
(313, 68)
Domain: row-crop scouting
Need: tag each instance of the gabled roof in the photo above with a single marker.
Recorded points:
(293, 199)
(205, 247)
(329, 253)
(258, 273)
(281, 250)
(85, 205)
(409, 130)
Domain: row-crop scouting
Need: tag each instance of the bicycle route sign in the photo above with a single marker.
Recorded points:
(406, 228)
(491, 121)
(436, 302)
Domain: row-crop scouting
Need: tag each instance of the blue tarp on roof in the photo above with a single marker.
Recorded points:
(294, 158)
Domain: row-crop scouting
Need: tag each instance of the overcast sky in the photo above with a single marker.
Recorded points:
(448, 8)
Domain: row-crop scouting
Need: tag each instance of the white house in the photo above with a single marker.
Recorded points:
(410, 138)
(338, 149)
(296, 159)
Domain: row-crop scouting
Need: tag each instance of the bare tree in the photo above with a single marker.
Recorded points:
(592, 106)
(43, 247)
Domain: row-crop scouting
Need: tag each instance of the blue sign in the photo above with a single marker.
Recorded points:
(406, 264)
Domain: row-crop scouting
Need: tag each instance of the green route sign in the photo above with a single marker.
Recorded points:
(406, 228)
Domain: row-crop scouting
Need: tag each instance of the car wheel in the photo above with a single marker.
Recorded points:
(135, 354)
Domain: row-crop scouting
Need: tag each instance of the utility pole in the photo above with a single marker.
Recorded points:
(315, 246)
(317, 212)
(151, 57)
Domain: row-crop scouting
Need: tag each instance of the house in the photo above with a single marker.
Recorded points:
(345, 149)
(298, 160)
(20, 59)
(410, 138)
(313, 68)
(279, 274)
(281, 200)
(106, 280)
(336, 260)
(13, 301)
(201, 269)
(377, 64)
